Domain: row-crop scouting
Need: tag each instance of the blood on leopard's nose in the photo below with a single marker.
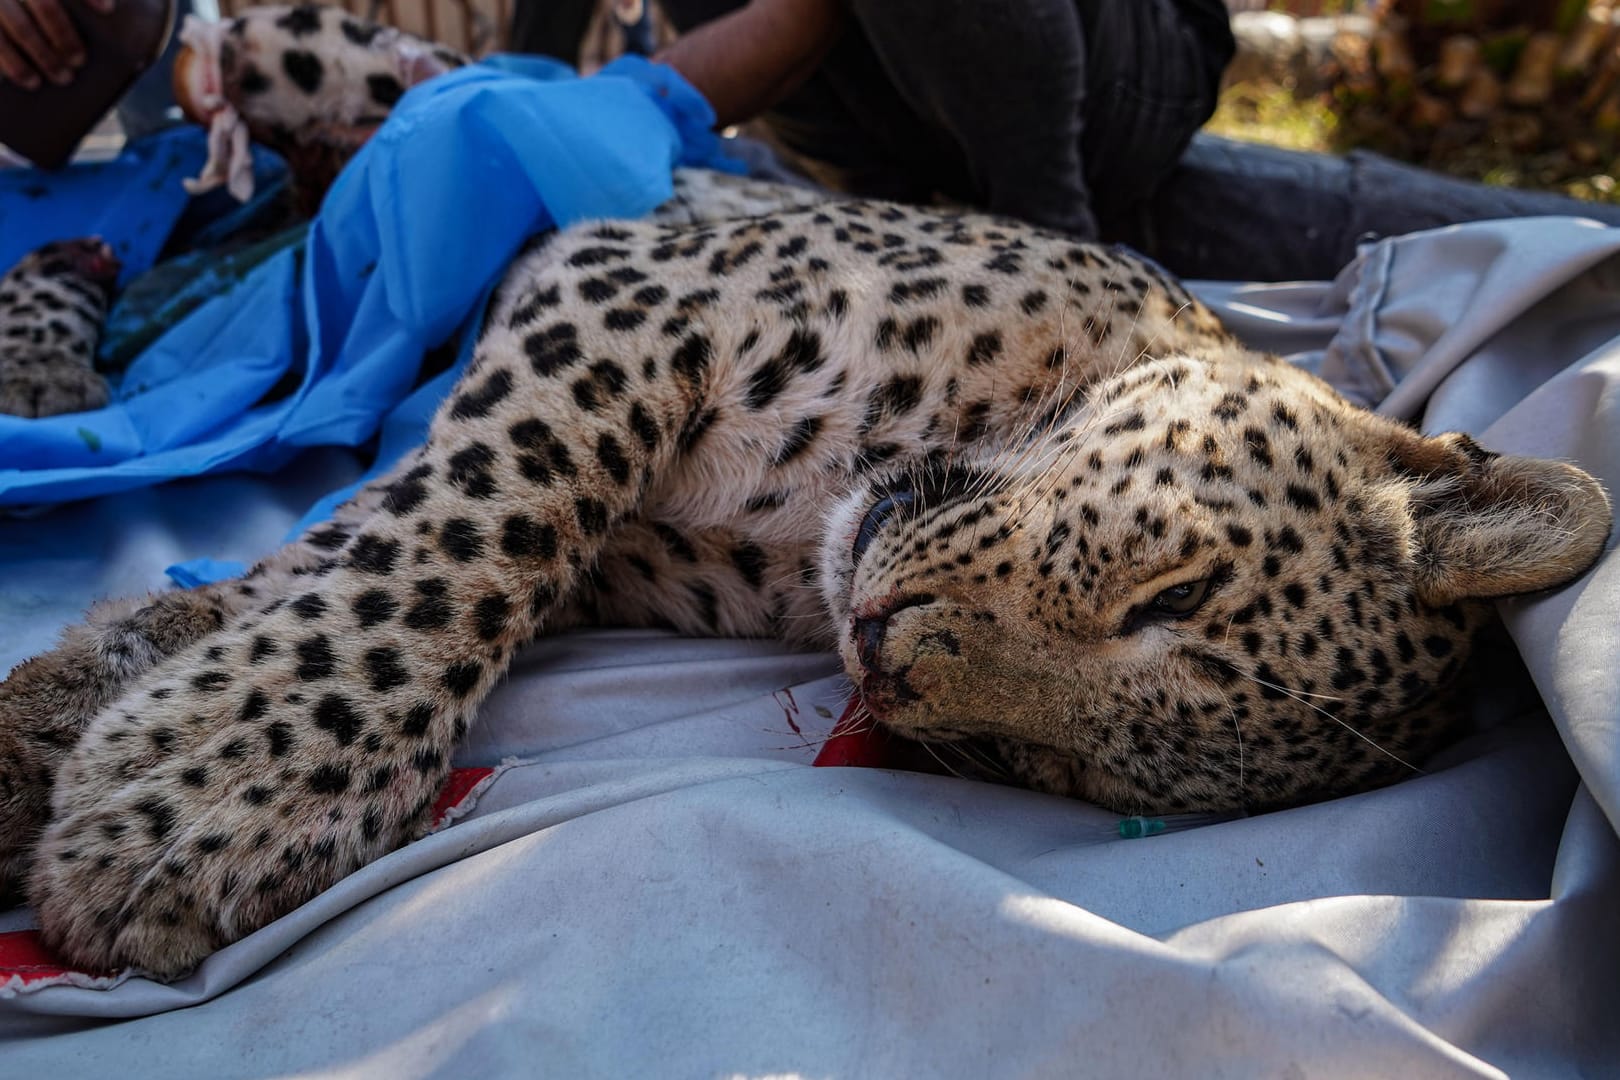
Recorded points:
(868, 637)
(867, 630)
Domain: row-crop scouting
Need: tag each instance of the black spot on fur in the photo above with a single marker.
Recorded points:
(611, 456)
(1302, 498)
(801, 353)
(279, 735)
(708, 605)
(489, 616)
(469, 471)
(304, 69)
(798, 440)
(374, 606)
(920, 333)
(462, 676)
(592, 516)
(461, 540)
(316, 660)
(696, 426)
(255, 706)
(336, 714)
(359, 33)
(644, 426)
(374, 555)
(301, 21)
(384, 89)
(308, 606)
(623, 319)
(596, 256)
(597, 290)
(553, 349)
(385, 670)
(677, 544)
(432, 611)
(896, 397)
(522, 537)
(749, 559)
(252, 81)
(407, 493)
(329, 780)
(473, 404)
(159, 816)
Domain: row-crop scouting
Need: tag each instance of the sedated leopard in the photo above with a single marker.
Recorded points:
(1031, 491)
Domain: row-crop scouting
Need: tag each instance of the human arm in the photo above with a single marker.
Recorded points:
(748, 60)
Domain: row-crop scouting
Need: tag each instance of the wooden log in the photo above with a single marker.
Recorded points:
(1532, 81)
(1603, 79)
(1482, 96)
(1392, 53)
(1461, 56)
(1583, 44)
(1428, 111)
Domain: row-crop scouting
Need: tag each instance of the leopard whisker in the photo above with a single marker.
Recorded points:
(1300, 697)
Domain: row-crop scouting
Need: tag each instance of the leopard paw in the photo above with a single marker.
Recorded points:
(46, 702)
(236, 782)
(49, 386)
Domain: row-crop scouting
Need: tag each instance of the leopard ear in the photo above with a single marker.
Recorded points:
(1487, 525)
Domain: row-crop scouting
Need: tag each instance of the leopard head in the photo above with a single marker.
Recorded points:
(1214, 585)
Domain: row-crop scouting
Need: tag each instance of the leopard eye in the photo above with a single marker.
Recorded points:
(1183, 599)
(892, 502)
(934, 488)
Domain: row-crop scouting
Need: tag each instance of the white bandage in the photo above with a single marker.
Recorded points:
(230, 162)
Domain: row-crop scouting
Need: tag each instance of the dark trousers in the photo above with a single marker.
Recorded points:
(1066, 113)
(1243, 212)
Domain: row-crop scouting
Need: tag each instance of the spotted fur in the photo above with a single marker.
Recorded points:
(1038, 499)
(52, 306)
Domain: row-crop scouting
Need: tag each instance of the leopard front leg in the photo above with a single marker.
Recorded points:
(257, 768)
(46, 702)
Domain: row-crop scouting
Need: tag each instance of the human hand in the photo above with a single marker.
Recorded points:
(37, 40)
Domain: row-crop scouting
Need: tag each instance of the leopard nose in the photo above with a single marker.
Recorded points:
(868, 635)
(867, 631)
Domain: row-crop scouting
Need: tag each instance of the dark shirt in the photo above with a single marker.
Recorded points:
(1066, 113)
(1213, 24)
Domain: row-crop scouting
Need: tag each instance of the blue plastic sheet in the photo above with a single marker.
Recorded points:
(403, 252)
(132, 202)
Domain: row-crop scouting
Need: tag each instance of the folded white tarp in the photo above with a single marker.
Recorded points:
(657, 884)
